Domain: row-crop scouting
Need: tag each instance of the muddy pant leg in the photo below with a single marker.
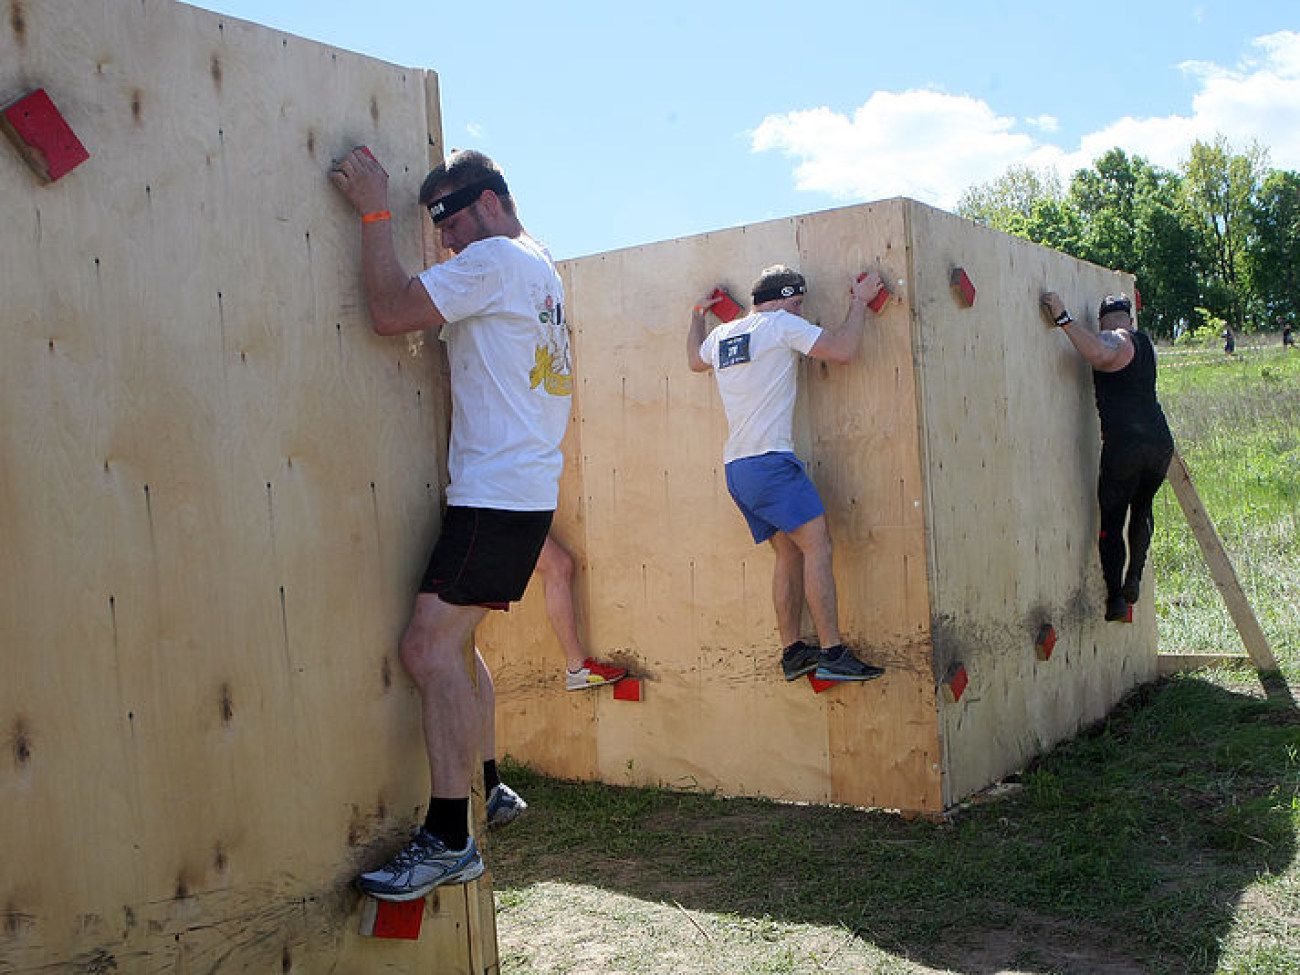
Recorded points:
(1142, 522)
(1116, 485)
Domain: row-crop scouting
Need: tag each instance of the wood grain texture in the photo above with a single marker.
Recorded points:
(1011, 445)
(957, 458)
(219, 488)
(672, 584)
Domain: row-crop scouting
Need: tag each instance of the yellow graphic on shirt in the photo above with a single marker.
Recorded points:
(551, 368)
(545, 372)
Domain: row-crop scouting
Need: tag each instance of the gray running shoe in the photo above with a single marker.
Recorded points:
(503, 805)
(837, 663)
(424, 864)
(592, 674)
(799, 659)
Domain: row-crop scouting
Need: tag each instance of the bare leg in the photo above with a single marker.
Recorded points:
(814, 542)
(433, 652)
(487, 702)
(556, 568)
(787, 587)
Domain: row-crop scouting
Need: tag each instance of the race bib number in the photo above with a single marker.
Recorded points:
(733, 351)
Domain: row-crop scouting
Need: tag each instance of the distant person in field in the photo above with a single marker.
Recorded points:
(754, 361)
(1229, 341)
(582, 672)
(1288, 335)
(1136, 445)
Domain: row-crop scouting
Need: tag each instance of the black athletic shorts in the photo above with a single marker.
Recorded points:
(485, 556)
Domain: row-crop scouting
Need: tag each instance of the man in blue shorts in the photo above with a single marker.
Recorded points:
(754, 360)
(498, 302)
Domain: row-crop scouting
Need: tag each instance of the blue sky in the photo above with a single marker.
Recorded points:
(620, 124)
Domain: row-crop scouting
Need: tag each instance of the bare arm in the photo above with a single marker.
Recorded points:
(696, 333)
(841, 344)
(1108, 350)
(398, 302)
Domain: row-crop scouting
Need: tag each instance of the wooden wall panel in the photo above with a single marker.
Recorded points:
(669, 580)
(1012, 443)
(218, 488)
(865, 460)
(673, 584)
(957, 457)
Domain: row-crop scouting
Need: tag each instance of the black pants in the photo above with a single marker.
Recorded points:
(1131, 474)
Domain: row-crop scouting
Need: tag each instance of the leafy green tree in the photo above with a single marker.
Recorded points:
(1220, 197)
(1054, 223)
(1273, 258)
(1133, 222)
(1106, 197)
(1007, 203)
(1221, 237)
(1168, 261)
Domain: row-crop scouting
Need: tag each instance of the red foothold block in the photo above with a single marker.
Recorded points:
(962, 284)
(1045, 641)
(392, 919)
(882, 296)
(819, 685)
(628, 689)
(1128, 617)
(366, 150)
(955, 685)
(726, 308)
(42, 135)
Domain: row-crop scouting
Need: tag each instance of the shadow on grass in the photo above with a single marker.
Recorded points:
(1127, 849)
(1276, 688)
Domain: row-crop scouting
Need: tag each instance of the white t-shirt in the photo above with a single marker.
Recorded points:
(511, 381)
(754, 360)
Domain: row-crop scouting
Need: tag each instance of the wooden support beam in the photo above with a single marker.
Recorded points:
(1221, 570)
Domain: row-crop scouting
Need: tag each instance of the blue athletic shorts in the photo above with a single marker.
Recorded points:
(774, 493)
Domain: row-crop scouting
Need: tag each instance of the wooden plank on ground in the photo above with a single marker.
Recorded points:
(1221, 570)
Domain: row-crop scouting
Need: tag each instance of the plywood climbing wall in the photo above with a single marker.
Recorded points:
(217, 489)
(672, 582)
(957, 458)
(1011, 444)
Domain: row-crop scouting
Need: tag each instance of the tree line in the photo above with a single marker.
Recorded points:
(1217, 241)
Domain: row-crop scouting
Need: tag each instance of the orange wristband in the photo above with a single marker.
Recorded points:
(376, 216)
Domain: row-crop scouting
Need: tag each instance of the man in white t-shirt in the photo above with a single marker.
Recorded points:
(499, 305)
(755, 360)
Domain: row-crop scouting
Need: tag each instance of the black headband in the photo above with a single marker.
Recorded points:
(1115, 303)
(457, 200)
(775, 293)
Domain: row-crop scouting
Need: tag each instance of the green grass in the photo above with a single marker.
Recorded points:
(1237, 422)
(1163, 840)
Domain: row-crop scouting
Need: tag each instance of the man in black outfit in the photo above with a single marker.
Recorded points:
(1136, 445)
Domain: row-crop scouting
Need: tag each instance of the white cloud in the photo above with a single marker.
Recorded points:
(474, 130)
(930, 145)
(912, 143)
(1259, 100)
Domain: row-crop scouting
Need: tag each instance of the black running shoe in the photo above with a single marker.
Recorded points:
(837, 663)
(799, 659)
(1132, 589)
